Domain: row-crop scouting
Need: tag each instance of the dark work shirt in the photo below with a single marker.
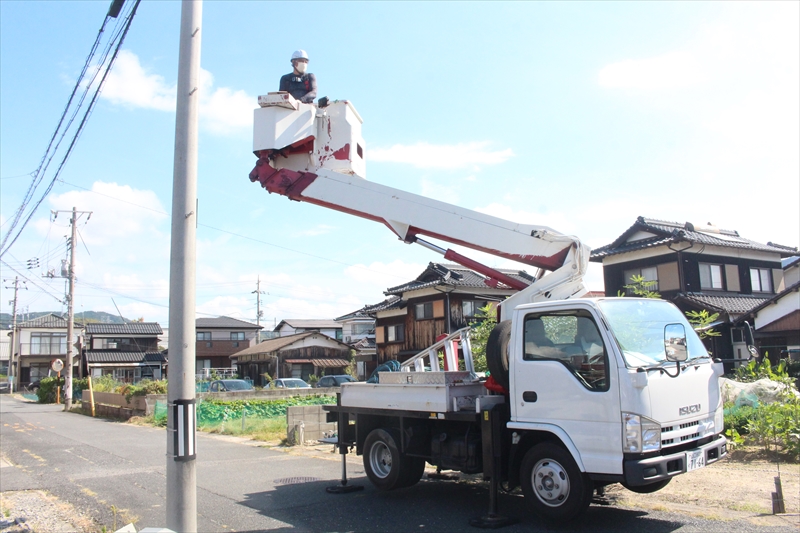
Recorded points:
(303, 88)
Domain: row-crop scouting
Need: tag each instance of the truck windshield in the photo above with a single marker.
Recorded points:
(638, 325)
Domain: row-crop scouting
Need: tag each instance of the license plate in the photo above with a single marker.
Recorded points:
(695, 459)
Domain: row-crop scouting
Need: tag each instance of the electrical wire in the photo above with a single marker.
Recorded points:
(119, 38)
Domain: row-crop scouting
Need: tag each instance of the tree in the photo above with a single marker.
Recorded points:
(479, 336)
(700, 321)
(641, 287)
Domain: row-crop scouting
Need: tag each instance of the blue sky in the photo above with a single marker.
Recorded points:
(576, 115)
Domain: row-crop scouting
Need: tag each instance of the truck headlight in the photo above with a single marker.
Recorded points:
(640, 434)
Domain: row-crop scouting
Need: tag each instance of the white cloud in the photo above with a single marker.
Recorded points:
(666, 71)
(425, 155)
(383, 275)
(222, 110)
(130, 85)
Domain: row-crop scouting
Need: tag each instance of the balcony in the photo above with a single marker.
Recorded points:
(28, 348)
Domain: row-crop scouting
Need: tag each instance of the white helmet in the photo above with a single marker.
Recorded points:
(300, 54)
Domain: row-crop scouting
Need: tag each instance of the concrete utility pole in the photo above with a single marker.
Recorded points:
(13, 378)
(181, 451)
(70, 306)
(258, 292)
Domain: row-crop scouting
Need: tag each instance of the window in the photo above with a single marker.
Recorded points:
(362, 329)
(395, 333)
(573, 340)
(761, 279)
(235, 344)
(424, 311)
(48, 343)
(204, 335)
(470, 308)
(237, 335)
(648, 273)
(711, 277)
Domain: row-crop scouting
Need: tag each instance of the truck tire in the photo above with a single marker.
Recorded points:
(383, 463)
(412, 469)
(553, 483)
(648, 489)
(497, 352)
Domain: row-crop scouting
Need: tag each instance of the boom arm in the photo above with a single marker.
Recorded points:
(410, 216)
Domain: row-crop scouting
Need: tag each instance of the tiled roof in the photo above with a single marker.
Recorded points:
(224, 322)
(454, 276)
(790, 261)
(365, 343)
(731, 304)
(794, 287)
(47, 321)
(665, 232)
(323, 363)
(300, 323)
(131, 328)
(273, 345)
(124, 357)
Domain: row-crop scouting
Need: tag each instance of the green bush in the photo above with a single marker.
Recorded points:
(143, 388)
(211, 412)
(105, 383)
(738, 418)
(47, 389)
(777, 425)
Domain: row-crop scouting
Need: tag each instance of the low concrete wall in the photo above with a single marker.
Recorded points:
(109, 410)
(109, 398)
(312, 418)
(267, 394)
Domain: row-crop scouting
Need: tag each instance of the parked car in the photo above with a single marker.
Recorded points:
(230, 385)
(334, 381)
(33, 387)
(289, 383)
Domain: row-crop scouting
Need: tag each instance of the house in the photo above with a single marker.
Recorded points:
(698, 267)
(128, 352)
(217, 339)
(296, 356)
(291, 326)
(442, 299)
(38, 342)
(777, 321)
(358, 331)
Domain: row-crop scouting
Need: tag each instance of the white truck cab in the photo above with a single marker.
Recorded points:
(595, 373)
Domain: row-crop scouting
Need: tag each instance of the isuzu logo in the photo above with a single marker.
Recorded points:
(689, 409)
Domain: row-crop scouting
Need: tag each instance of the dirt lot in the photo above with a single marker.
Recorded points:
(737, 487)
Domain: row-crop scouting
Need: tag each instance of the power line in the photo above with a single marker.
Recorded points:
(119, 38)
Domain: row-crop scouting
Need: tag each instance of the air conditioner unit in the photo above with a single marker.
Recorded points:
(347, 339)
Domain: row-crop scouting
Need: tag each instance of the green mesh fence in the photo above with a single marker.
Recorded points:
(239, 417)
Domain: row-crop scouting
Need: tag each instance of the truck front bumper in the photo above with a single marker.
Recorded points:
(639, 472)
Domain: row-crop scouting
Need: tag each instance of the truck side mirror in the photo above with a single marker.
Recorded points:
(749, 339)
(675, 342)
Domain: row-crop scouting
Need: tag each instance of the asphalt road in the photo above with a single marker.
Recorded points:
(104, 467)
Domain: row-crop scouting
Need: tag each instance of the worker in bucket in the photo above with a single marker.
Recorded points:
(300, 84)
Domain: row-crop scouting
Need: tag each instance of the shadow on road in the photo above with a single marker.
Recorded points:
(428, 506)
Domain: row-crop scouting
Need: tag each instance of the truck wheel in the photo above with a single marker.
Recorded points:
(553, 484)
(382, 461)
(649, 489)
(497, 352)
(413, 468)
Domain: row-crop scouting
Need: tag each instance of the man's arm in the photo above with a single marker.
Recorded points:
(284, 85)
(312, 93)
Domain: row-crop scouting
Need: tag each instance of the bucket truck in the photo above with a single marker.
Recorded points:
(587, 392)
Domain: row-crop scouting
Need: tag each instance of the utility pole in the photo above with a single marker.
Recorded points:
(259, 313)
(70, 302)
(13, 378)
(181, 418)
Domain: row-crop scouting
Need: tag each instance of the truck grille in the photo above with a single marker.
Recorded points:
(678, 434)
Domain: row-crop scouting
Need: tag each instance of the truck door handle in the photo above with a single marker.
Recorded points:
(529, 396)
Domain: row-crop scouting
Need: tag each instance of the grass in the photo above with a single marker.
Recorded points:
(260, 429)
